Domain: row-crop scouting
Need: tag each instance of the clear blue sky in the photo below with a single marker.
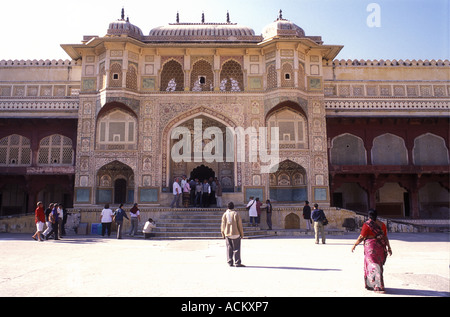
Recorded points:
(406, 29)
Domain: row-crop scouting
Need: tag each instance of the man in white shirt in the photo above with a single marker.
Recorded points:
(176, 193)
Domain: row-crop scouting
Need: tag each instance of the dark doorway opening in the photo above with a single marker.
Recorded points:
(338, 200)
(202, 172)
(406, 201)
(120, 191)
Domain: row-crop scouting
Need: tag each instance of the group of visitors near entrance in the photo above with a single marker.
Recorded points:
(373, 234)
(195, 193)
(107, 217)
(54, 218)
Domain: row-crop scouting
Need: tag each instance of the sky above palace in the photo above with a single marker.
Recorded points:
(368, 29)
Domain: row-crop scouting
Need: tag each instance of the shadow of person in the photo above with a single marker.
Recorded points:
(289, 268)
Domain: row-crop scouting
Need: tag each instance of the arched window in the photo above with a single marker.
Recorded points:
(202, 76)
(347, 149)
(292, 128)
(231, 77)
(55, 149)
(15, 150)
(116, 130)
(430, 149)
(287, 73)
(172, 77)
(115, 75)
(389, 149)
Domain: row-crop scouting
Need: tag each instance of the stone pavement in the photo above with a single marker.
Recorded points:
(92, 266)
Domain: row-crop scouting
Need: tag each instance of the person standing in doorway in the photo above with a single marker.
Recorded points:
(233, 232)
(176, 191)
(186, 194)
(39, 219)
(135, 218)
(192, 185)
(318, 216)
(307, 215)
(198, 193)
(206, 192)
(118, 219)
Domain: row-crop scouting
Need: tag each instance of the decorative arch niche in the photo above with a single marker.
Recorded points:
(288, 182)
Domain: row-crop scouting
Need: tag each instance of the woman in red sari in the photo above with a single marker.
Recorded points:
(376, 249)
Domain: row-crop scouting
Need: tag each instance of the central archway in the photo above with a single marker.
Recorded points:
(224, 170)
(202, 172)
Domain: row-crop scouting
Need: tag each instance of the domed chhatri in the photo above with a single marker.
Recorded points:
(124, 27)
(282, 28)
(203, 31)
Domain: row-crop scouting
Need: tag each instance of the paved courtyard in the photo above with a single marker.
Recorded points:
(275, 267)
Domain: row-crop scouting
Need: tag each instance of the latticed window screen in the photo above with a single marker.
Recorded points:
(132, 77)
(172, 77)
(15, 150)
(55, 150)
(202, 76)
(231, 77)
(271, 77)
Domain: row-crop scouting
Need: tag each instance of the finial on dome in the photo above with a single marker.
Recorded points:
(228, 17)
(280, 16)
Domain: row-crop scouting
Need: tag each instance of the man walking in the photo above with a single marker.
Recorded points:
(118, 219)
(318, 216)
(233, 232)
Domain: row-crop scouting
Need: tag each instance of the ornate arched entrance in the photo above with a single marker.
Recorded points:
(288, 182)
(199, 140)
(115, 184)
(202, 172)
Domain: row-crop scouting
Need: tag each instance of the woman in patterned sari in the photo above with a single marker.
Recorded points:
(376, 249)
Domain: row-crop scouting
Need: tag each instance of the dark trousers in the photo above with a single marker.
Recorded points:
(205, 200)
(198, 199)
(106, 226)
(269, 220)
(233, 249)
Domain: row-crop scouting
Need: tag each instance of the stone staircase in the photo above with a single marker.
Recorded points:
(197, 223)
